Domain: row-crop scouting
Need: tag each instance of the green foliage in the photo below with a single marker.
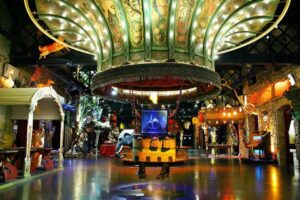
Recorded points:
(89, 106)
(297, 115)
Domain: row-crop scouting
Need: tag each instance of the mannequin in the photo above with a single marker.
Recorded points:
(89, 130)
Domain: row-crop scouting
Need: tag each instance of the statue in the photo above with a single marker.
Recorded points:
(7, 82)
(125, 138)
(54, 47)
(205, 127)
(231, 136)
(37, 138)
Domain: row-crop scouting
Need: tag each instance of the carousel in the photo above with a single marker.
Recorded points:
(30, 104)
(155, 51)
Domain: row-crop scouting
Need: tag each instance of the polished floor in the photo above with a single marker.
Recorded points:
(199, 178)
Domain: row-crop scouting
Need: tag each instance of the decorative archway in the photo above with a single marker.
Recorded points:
(46, 92)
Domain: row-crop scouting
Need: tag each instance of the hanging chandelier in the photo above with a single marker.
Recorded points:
(163, 48)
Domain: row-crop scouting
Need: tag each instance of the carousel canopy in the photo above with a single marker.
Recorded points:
(161, 48)
(24, 96)
(17, 96)
(45, 103)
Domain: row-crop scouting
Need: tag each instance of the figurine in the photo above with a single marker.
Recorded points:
(54, 47)
(37, 138)
(7, 82)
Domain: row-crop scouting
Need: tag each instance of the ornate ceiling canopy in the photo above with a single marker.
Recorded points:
(156, 47)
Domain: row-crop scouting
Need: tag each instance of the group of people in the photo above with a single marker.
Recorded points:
(93, 133)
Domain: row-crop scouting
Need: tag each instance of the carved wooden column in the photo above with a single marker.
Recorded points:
(27, 160)
(61, 150)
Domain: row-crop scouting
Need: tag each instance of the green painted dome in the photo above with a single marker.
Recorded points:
(156, 46)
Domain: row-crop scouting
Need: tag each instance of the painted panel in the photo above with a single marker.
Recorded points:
(110, 13)
(99, 25)
(134, 16)
(159, 20)
(183, 20)
(202, 21)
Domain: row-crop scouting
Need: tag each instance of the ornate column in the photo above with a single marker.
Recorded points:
(27, 160)
(61, 150)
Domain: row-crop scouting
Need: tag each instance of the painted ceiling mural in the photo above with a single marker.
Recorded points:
(159, 18)
(183, 19)
(129, 32)
(134, 16)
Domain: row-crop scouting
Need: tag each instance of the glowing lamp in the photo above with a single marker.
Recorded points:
(153, 97)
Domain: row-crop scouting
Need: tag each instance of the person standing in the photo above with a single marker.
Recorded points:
(91, 136)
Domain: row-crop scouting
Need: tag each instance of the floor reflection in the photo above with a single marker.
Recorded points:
(155, 190)
(201, 178)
